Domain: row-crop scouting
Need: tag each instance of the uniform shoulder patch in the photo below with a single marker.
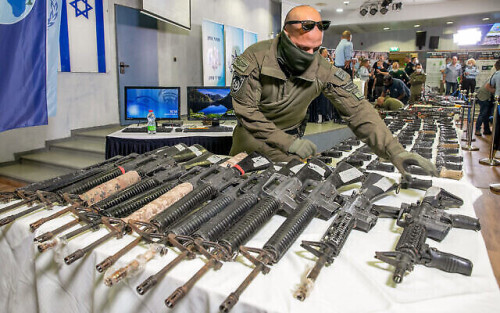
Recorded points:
(240, 64)
(341, 74)
(236, 83)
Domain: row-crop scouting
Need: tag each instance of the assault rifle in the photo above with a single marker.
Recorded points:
(182, 199)
(358, 213)
(278, 194)
(428, 219)
(323, 200)
(127, 201)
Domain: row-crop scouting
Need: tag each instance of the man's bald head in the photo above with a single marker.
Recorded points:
(346, 35)
(308, 41)
(296, 13)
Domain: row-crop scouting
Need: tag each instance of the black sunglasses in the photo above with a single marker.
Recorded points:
(309, 25)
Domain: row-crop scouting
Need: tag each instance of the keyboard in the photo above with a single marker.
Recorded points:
(212, 129)
(144, 129)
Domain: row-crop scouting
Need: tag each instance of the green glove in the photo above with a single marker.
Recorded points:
(404, 159)
(302, 148)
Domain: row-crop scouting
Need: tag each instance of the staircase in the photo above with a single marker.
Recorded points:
(84, 148)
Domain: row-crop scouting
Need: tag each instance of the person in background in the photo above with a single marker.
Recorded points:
(395, 88)
(324, 53)
(442, 82)
(364, 75)
(417, 82)
(410, 66)
(469, 76)
(486, 103)
(389, 103)
(451, 73)
(343, 52)
(399, 73)
(379, 70)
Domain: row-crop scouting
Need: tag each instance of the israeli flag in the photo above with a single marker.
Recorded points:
(82, 47)
(23, 68)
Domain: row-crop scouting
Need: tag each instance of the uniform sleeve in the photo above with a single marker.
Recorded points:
(246, 93)
(361, 117)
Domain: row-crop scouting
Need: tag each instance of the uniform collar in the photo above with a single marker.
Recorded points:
(270, 66)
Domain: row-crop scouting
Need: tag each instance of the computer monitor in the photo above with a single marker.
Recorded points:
(164, 101)
(209, 103)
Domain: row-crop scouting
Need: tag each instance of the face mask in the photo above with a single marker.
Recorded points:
(292, 57)
(419, 70)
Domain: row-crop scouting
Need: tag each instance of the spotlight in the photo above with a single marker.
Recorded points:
(384, 10)
(373, 9)
(397, 6)
(363, 11)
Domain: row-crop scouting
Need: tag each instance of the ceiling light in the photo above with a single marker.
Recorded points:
(340, 10)
(449, 22)
(397, 6)
(416, 25)
(363, 11)
(384, 10)
(346, 2)
(386, 28)
(486, 19)
(373, 9)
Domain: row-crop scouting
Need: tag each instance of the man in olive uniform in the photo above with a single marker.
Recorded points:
(389, 103)
(417, 81)
(275, 81)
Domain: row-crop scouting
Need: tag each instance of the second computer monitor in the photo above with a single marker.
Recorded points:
(209, 103)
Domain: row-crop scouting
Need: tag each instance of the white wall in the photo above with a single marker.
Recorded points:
(185, 46)
(91, 99)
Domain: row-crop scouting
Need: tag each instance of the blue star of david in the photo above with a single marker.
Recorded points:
(79, 12)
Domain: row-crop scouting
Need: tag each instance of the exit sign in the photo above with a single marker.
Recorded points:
(394, 49)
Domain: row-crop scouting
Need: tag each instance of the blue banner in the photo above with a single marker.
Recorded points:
(23, 93)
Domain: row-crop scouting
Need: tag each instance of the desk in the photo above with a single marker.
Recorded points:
(120, 143)
(356, 281)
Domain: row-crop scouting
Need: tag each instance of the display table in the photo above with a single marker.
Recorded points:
(120, 143)
(356, 281)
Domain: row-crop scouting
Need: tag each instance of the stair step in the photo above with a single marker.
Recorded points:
(100, 133)
(86, 144)
(31, 173)
(67, 159)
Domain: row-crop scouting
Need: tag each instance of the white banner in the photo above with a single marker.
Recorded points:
(213, 53)
(82, 45)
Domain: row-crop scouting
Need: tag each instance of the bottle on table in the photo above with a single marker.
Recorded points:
(151, 123)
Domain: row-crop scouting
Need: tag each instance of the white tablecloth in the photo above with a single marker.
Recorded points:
(174, 134)
(356, 281)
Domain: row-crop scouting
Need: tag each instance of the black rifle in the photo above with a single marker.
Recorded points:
(158, 182)
(356, 213)
(320, 201)
(279, 193)
(207, 224)
(205, 186)
(427, 219)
